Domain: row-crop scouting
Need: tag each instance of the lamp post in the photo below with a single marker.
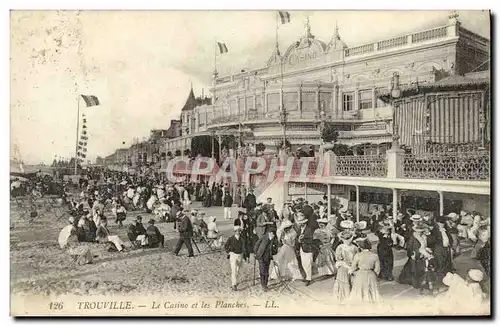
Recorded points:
(395, 91)
(283, 120)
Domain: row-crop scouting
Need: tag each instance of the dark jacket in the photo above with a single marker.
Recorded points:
(228, 200)
(135, 230)
(250, 202)
(186, 228)
(153, 234)
(305, 240)
(234, 245)
(265, 249)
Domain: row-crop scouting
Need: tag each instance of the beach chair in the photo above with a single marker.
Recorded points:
(283, 283)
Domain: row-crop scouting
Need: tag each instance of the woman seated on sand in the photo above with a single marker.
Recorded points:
(213, 232)
(68, 240)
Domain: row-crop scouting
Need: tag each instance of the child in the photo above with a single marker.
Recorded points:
(429, 278)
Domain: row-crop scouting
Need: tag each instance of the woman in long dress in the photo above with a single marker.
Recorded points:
(325, 261)
(414, 269)
(285, 258)
(365, 267)
(344, 255)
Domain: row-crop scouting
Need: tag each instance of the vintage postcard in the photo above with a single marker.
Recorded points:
(250, 163)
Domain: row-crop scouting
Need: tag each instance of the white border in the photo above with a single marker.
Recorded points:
(177, 5)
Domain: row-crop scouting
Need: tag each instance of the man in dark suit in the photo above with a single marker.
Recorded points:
(250, 202)
(185, 234)
(135, 229)
(155, 238)
(265, 248)
(306, 246)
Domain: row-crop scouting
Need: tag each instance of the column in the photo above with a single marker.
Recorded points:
(340, 108)
(441, 203)
(333, 101)
(374, 102)
(329, 200)
(305, 191)
(220, 147)
(299, 105)
(394, 203)
(317, 100)
(357, 203)
(356, 98)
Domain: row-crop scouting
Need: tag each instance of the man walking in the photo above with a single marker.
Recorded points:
(265, 249)
(234, 248)
(185, 234)
(228, 203)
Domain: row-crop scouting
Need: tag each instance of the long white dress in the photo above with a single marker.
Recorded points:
(286, 258)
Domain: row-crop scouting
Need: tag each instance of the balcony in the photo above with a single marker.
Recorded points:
(448, 166)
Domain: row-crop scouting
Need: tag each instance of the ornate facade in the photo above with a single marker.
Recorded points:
(314, 81)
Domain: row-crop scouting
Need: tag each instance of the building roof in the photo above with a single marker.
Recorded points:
(469, 81)
(190, 101)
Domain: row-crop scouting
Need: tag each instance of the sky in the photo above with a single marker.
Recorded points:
(140, 64)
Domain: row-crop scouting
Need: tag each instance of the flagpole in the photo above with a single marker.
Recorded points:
(214, 85)
(77, 128)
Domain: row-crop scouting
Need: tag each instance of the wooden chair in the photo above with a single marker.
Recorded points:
(283, 282)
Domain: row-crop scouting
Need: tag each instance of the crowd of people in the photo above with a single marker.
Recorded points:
(299, 241)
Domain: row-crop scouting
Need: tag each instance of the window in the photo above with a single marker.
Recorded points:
(379, 91)
(241, 103)
(249, 101)
(347, 101)
(309, 102)
(365, 99)
(325, 99)
(273, 102)
(290, 101)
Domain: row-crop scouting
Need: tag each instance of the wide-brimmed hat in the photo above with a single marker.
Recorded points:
(416, 218)
(137, 218)
(475, 275)
(347, 224)
(236, 227)
(286, 224)
(322, 220)
(361, 225)
(71, 219)
(420, 227)
(301, 219)
(452, 215)
(346, 235)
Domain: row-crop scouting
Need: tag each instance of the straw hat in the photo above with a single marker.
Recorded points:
(346, 235)
(322, 220)
(416, 218)
(361, 225)
(347, 224)
(476, 275)
(452, 215)
(420, 227)
(301, 219)
(71, 219)
(237, 228)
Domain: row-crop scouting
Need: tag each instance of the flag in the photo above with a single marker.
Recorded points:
(91, 100)
(84, 120)
(84, 138)
(222, 47)
(284, 16)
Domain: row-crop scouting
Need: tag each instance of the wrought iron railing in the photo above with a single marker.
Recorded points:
(360, 166)
(449, 166)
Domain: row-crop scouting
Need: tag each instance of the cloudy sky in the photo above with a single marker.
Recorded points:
(140, 64)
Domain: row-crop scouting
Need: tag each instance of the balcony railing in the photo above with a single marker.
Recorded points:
(449, 166)
(429, 35)
(360, 166)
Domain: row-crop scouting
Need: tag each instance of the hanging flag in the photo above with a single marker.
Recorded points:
(91, 100)
(84, 120)
(84, 138)
(222, 47)
(84, 132)
(284, 16)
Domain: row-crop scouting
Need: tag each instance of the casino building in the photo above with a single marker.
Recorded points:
(315, 82)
